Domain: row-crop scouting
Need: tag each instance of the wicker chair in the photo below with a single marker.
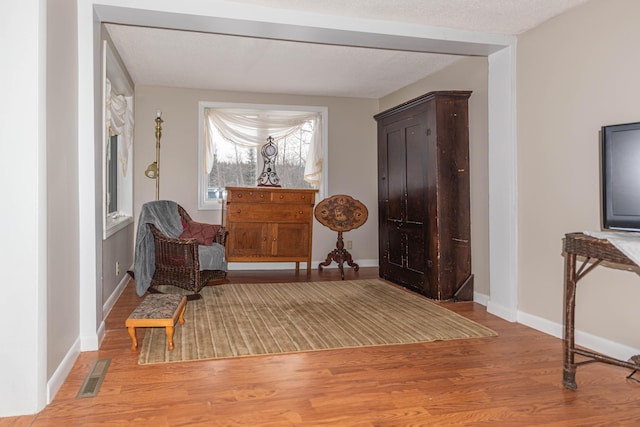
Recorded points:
(177, 261)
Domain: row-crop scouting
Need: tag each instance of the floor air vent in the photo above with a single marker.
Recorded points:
(92, 383)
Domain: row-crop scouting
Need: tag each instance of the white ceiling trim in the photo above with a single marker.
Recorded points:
(364, 58)
(273, 24)
(406, 41)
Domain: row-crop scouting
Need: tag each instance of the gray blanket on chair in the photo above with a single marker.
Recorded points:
(163, 214)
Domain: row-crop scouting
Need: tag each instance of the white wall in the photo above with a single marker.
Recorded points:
(576, 73)
(352, 167)
(23, 171)
(63, 287)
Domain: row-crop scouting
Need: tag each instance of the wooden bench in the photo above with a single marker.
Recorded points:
(157, 310)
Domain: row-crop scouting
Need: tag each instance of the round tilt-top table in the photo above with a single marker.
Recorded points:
(340, 213)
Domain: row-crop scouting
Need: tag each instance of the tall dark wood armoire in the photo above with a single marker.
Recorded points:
(423, 195)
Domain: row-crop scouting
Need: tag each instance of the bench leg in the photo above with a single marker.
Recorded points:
(169, 330)
(134, 340)
(181, 318)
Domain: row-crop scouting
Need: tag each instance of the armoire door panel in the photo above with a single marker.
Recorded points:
(407, 248)
(405, 277)
(396, 246)
(416, 257)
(396, 158)
(415, 174)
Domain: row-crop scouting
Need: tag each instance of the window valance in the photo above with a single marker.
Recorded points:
(119, 121)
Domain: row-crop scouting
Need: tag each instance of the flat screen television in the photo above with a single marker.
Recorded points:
(621, 177)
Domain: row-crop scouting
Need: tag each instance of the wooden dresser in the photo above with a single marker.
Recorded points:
(269, 224)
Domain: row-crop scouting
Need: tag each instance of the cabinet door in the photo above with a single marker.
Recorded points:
(248, 239)
(290, 239)
(403, 200)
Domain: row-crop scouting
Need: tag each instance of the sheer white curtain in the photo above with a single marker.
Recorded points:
(251, 128)
(119, 120)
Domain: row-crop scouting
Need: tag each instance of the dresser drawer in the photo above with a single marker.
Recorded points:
(239, 212)
(293, 197)
(249, 196)
(274, 196)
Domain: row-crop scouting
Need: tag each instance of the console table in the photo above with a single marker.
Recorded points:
(595, 251)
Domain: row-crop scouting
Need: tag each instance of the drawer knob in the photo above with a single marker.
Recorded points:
(238, 211)
(282, 196)
(262, 196)
(300, 212)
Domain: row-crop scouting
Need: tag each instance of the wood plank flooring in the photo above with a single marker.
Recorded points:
(510, 380)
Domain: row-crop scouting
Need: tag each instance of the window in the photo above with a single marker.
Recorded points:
(112, 176)
(232, 137)
(236, 165)
(117, 152)
(118, 187)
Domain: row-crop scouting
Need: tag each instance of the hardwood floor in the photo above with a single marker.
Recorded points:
(510, 380)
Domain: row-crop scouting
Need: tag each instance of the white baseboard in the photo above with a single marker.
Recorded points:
(540, 324)
(106, 309)
(481, 299)
(102, 331)
(84, 344)
(62, 371)
(91, 342)
(501, 311)
(113, 298)
(292, 265)
(583, 339)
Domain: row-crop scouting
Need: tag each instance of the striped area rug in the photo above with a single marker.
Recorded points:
(234, 320)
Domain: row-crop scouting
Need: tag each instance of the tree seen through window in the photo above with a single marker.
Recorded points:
(236, 165)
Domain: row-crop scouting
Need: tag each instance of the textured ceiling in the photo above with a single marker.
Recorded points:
(486, 16)
(163, 57)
